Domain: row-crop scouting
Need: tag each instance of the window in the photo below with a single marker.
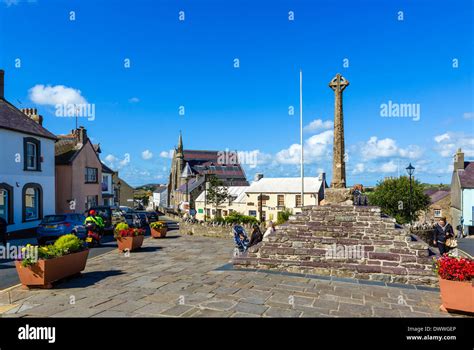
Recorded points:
(298, 200)
(253, 213)
(91, 175)
(32, 202)
(91, 201)
(32, 154)
(281, 200)
(105, 183)
(6, 202)
(437, 213)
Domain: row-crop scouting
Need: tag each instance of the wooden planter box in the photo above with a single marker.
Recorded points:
(457, 296)
(130, 243)
(160, 233)
(45, 272)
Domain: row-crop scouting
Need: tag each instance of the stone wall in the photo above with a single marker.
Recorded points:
(209, 229)
(344, 241)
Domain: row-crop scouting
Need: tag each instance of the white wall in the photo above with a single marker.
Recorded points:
(467, 205)
(12, 173)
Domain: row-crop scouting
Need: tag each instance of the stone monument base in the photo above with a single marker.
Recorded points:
(341, 196)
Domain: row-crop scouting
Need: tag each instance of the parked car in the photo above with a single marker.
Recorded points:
(126, 209)
(143, 218)
(152, 216)
(54, 226)
(110, 214)
(133, 220)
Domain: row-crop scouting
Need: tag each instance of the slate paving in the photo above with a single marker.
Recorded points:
(182, 276)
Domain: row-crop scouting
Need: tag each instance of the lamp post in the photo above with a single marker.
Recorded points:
(118, 192)
(186, 175)
(410, 170)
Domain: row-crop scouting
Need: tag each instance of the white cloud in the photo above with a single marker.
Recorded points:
(441, 138)
(319, 124)
(389, 167)
(146, 154)
(449, 142)
(54, 95)
(315, 148)
(117, 163)
(411, 152)
(359, 168)
(134, 100)
(468, 115)
(375, 148)
(167, 154)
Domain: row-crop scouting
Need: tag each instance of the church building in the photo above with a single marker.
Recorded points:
(191, 169)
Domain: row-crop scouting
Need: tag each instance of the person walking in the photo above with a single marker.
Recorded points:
(442, 233)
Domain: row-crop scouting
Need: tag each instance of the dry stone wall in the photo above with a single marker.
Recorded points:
(344, 241)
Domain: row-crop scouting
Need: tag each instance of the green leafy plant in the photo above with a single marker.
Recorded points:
(283, 216)
(64, 245)
(216, 193)
(238, 218)
(393, 197)
(67, 244)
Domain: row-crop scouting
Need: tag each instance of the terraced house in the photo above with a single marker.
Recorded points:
(78, 172)
(27, 177)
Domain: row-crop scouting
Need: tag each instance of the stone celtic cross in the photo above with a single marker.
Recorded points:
(338, 84)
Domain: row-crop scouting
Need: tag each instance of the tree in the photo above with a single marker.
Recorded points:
(216, 193)
(393, 197)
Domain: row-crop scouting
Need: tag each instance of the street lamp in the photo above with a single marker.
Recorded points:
(410, 170)
(118, 192)
(186, 175)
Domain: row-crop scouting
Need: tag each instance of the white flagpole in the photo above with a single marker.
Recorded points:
(301, 137)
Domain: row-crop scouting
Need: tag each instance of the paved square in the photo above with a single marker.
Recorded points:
(177, 277)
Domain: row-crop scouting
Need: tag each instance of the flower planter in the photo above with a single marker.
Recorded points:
(44, 272)
(457, 296)
(130, 243)
(159, 233)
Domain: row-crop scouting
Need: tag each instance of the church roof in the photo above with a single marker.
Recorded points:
(206, 162)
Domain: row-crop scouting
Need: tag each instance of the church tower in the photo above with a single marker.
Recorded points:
(179, 161)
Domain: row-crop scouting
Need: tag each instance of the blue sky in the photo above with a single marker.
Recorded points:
(48, 57)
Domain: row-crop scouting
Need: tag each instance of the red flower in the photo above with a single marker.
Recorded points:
(455, 269)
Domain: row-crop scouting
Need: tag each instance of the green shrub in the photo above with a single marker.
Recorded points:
(283, 216)
(64, 245)
(67, 244)
(238, 218)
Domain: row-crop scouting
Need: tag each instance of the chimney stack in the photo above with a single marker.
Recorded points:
(81, 135)
(32, 113)
(459, 160)
(258, 177)
(2, 83)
